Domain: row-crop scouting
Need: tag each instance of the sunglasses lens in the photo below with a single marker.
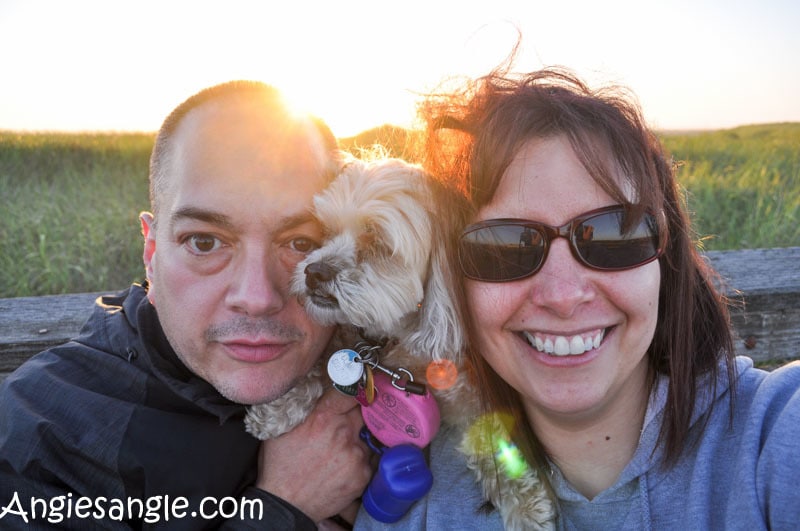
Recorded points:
(605, 242)
(501, 252)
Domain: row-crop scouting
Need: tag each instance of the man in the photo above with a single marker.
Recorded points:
(139, 420)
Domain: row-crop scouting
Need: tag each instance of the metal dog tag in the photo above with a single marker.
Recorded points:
(365, 394)
(343, 368)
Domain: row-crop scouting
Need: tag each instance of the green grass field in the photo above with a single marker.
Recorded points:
(70, 202)
(743, 184)
(70, 211)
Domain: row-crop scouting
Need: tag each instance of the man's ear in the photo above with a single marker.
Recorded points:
(149, 233)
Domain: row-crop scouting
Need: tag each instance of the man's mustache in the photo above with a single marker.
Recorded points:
(244, 326)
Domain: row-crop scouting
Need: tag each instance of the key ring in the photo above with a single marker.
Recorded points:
(367, 354)
(363, 345)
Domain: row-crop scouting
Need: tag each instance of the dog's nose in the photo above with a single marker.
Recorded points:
(317, 272)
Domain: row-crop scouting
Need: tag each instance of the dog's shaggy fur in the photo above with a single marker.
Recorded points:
(385, 270)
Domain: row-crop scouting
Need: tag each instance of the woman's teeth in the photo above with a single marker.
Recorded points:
(564, 345)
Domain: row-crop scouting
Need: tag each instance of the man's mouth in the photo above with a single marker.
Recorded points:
(254, 351)
(574, 345)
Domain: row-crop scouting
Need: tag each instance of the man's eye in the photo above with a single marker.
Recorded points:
(303, 245)
(203, 243)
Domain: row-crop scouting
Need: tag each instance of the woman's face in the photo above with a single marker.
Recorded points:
(564, 303)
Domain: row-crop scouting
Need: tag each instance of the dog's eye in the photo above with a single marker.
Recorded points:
(303, 245)
(367, 238)
(371, 244)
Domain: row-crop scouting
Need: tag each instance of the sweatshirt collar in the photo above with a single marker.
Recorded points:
(649, 452)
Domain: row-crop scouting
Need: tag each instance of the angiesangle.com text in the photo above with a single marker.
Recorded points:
(151, 510)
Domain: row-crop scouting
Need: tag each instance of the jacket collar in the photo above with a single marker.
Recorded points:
(143, 342)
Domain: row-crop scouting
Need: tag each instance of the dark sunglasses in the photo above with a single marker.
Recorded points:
(500, 250)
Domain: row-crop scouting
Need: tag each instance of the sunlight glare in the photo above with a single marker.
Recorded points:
(350, 110)
(511, 459)
(490, 434)
(441, 374)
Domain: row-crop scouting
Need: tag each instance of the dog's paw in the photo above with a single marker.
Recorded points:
(257, 422)
(270, 420)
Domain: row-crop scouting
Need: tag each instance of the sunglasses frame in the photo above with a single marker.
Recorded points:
(550, 232)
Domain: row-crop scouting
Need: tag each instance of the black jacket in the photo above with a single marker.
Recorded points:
(111, 430)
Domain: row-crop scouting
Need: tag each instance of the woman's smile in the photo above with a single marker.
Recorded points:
(565, 345)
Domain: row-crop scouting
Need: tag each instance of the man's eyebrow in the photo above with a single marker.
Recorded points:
(225, 222)
(296, 220)
(199, 214)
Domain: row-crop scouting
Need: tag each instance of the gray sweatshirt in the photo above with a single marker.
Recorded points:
(739, 475)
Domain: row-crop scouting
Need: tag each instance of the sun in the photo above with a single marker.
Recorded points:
(348, 112)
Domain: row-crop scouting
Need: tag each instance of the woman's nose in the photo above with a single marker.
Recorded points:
(562, 284)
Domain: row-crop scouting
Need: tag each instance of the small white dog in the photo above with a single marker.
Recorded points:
(385, 269)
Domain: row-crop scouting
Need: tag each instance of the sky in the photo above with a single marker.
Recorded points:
(123, 65)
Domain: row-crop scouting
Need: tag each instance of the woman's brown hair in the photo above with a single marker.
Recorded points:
(472, 136)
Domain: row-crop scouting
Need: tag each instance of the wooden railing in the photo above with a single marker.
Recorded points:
(766, 281)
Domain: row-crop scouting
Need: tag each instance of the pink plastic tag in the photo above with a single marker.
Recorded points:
(397, 417)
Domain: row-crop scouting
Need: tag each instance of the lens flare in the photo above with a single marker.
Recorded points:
(441, 374)
(483, 435)
(511, 459)
(491, 435)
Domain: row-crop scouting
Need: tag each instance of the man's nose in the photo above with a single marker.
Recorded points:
(259, 285)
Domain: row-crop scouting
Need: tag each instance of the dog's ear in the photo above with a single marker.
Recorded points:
(440, 332)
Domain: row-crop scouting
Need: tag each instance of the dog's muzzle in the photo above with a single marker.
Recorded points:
(317, 274)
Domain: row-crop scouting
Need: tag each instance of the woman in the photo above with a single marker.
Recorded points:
(595, 324)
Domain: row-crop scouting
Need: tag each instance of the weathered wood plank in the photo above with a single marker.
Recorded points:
(768, 326)
(767, 281)
(31, 324)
